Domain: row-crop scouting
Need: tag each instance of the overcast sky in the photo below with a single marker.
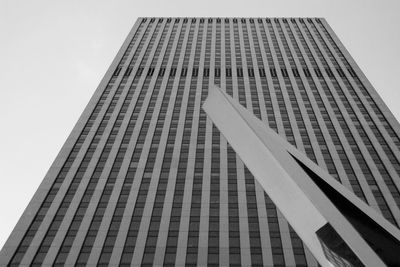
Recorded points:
(54, 53)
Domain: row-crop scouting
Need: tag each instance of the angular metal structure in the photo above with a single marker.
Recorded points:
(337, 227)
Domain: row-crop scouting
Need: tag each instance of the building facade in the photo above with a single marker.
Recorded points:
(146, 179)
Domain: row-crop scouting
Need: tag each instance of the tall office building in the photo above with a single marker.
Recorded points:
(145, 178)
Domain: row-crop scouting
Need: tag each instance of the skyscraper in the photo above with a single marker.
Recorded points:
(145, 178)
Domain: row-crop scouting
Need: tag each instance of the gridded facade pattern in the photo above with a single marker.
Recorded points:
(146, 179)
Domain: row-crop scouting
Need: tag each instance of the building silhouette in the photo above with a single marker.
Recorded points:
(145, 178)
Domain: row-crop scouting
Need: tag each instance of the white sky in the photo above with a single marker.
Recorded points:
(54, 53)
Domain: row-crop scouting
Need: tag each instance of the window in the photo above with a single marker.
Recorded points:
(307, 72)
(352, 72)
(217, 72)
(295, 72)
(318, 72)
(340, 71)
(262, 72)
(161, 72)
(273, 72)
(329, 72)
(284, 72)
(139, 72)
(128, 71)
(117, 71)
(173, 72)
(239, 72)
(251, 72)
(206, 72)
(184, 72)
(195, 72)
(228, 72)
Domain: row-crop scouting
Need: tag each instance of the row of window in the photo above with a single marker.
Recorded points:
(239, 72)
(235, 20)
